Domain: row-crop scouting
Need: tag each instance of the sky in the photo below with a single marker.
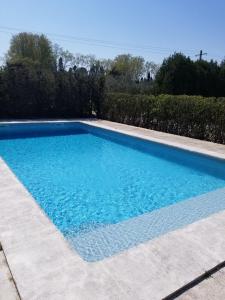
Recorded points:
(153, 29)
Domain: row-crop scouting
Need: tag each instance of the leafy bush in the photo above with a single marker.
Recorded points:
(27, 90)
(192, 116)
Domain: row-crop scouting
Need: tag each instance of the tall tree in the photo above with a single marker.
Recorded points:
(84, 61)
(128, 66)
(97, 81)
(67, 58)
(177, 75)
(222, 78)
(61, 67)
(207, 78)
(31, 47)
(151, 69)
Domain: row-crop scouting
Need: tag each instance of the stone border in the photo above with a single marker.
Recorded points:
(8, 288)
(45, 267)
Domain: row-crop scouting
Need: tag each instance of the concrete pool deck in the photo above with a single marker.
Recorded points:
(43, 265)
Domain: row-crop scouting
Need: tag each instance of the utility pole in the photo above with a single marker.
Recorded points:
(200, 54)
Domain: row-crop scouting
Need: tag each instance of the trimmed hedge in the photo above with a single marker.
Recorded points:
(191, 116)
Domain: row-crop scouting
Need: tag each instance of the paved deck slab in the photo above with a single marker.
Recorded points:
(212, 288)
(7, 288)
(45, 267)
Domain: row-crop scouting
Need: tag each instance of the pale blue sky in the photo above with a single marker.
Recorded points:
(150, 28)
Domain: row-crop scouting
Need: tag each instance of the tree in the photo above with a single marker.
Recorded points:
(29, 90)
(38, 81)
(97, 81)
(84, 61)
(222, 78)
(207, 78)
(177, 75)
(31, 47)
(60, 67)
(128, 66)
(151, 69)
(67, 58)
(106, 64)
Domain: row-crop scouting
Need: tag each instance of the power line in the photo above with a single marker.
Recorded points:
(102, 45)
(97, 42)
(109, 44)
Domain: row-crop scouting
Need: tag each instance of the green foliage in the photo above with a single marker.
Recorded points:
(97, 82)
(64, 57)
(31, 47)
(128, 66)
(29, 91)
(176, 76)
(192, 116)
(130, 74)
(180, 75)
(41, 80)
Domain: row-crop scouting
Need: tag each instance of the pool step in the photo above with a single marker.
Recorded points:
(8, 290)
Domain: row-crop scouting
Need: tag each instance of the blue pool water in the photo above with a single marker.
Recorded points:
(86, 178)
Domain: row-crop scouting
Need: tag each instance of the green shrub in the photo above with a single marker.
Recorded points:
(192, 116)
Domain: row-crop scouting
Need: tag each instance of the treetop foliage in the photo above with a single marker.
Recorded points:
(179, 75)
(31, 47)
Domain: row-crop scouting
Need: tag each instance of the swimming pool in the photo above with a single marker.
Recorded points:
(98, 186)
